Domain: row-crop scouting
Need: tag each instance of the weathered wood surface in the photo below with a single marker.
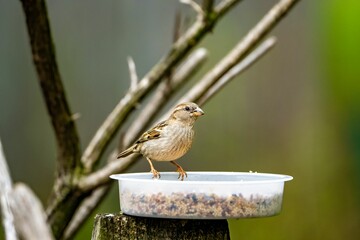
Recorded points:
(120, 226)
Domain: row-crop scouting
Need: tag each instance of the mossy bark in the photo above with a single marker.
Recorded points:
(120, 226)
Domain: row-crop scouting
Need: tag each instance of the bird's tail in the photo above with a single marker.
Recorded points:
(127, 152)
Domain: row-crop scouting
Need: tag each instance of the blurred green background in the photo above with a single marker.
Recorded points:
(296, 112)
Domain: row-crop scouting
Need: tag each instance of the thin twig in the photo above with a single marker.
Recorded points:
(196, 7)
(133, 75)
(247, 62)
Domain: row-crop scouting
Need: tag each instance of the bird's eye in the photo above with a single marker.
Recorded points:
(187, 108)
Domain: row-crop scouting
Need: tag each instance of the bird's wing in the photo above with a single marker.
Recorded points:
(153, 133)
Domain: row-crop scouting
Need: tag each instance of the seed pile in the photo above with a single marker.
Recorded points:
(199, 205)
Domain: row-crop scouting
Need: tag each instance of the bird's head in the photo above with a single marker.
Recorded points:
(187, 113)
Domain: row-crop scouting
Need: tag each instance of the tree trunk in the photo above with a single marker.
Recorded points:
(119, 226)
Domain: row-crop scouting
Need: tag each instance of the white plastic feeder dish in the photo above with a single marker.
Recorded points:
(202, 195)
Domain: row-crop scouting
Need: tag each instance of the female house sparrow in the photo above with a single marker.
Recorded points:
(169, 139)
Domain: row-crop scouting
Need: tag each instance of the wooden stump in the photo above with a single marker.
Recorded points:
(120, 226)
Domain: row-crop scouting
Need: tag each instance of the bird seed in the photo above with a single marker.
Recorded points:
(199, 205)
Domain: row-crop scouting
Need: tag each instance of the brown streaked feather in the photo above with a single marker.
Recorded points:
(146, 136)
(153, 133)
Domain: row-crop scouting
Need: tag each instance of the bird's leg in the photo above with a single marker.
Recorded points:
(180, 170)
(155, 173)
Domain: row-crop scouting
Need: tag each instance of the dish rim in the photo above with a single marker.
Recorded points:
(278, 178)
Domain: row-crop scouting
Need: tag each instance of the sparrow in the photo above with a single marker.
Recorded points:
(169, 139)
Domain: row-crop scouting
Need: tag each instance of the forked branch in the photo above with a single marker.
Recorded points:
(43, 52)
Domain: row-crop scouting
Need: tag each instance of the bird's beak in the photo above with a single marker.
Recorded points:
(198, 112)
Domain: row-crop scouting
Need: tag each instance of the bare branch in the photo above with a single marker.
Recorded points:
(237, 69)
(5, 189)
(113, 122)
(254, 36)
(133, 75)
(43, 52)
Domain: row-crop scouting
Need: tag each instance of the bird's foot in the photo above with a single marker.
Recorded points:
(181, 172)
(156, 174)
